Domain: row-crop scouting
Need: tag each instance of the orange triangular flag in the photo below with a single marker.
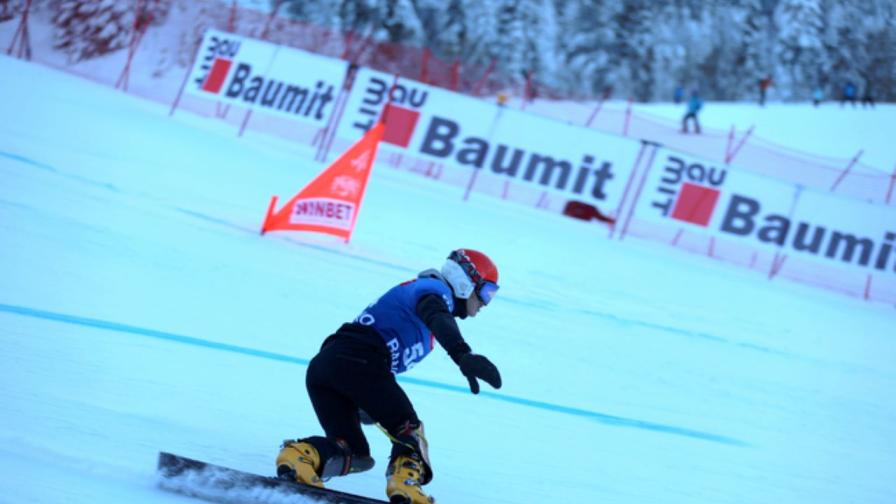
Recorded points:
(330, 203)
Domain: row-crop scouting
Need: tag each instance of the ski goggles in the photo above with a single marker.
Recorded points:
(486, 291)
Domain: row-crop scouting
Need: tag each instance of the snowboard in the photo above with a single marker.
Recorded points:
(224, 485)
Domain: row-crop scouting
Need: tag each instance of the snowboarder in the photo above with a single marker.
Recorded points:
(352, 378)
(694, 106)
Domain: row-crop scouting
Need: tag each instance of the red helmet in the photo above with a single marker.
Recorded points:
(469, 271)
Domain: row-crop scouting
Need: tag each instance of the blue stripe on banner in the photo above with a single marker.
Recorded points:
(197, 342)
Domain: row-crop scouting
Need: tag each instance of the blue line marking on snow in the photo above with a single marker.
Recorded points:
(42, 166)
(23, 159)
(198, 342)
(208, 218)
(123, 328)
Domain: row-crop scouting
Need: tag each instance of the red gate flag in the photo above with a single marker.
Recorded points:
(330, 203)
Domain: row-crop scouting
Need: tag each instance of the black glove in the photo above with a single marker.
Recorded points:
(477, 366)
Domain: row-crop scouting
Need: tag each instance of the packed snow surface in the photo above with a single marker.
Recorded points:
(140, 310)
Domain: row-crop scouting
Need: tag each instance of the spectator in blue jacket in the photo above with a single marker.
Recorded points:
(849, 93)
(694, 105)
(817, 96)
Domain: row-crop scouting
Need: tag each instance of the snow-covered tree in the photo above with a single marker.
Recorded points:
(540, 39)
(860, 43)
(632, 49)
(400, 22)
(10, 9)
(508, 44)
(753, 56)
(682, 48)
(359, 16)
(721, 76)
(458, 29)
(155, 12)
(585, 46)
(88, 28)
(640, 48)
(477, 32)
(444, 26)
(799, 47)
(880, 76)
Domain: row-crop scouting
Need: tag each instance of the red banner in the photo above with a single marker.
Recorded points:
(330, 203)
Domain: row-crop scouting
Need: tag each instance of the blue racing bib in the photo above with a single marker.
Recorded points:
(394, 317)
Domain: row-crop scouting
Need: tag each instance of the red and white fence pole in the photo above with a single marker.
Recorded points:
(730, 156)
(22, 37)
(267, 25)
(527, 91)
(183, 85)
(847, 169)
(637, 198)
(728, 145)
(778, 261)
(140, 23)
(628, 186)
(892, 183)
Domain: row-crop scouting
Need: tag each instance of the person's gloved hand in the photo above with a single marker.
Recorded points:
(477, 366)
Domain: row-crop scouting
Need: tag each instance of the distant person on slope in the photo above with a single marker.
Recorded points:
(352, 378)
(817, 96)
(764, 84)
(868, 96)
(694, 105)
(678, 94)
(849, 94)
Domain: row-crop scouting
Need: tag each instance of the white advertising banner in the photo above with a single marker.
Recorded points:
(423, 121)
(455, 129)
(728, 203)
(452, 130)
(262, 76)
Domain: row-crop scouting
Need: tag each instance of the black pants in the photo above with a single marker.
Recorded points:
(684, 122)
(351, 372)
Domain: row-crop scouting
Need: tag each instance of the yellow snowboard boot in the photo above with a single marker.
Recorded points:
(403, 481)
(300, 461)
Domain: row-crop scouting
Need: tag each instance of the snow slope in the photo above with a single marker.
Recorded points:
(830, 133)
(140, 311)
